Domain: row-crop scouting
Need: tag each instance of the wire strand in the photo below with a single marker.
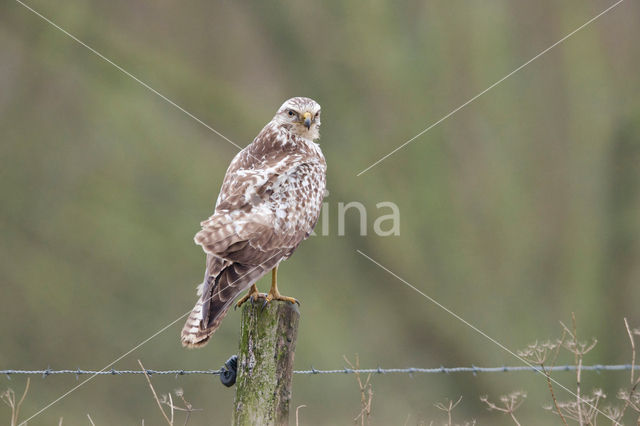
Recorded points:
(409, 370)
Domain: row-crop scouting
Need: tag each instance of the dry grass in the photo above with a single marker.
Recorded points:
(539, 353)
(509, 404)
(366, 392)
(585, 409)
(9, 398)
(297, 414)
(167, 400)
(448, 406)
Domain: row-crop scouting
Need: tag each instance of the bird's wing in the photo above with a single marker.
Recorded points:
(255, 218)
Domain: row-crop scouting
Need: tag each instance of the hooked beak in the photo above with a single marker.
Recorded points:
(307, 120)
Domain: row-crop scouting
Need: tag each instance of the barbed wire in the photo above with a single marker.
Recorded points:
(410, 370)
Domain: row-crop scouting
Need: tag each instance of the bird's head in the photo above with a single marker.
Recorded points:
(301, 116)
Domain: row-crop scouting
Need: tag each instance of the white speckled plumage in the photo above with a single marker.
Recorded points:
(269, 203)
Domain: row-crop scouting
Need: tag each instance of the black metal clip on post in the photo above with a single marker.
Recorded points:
(229, 371)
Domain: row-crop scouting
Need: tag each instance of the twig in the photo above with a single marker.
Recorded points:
(628, 398)
(188, 408)
(511, 403)
(155, 395)
(91, 420)
(24, 394)
(187, 405)
(366, 392)
(560, 343)
(171, 405)
(448, 408)
(9, 398)
(633, 349)
(297, 409)
(575, 410)
(553, 395)
(555, 357)
(538, 353)
(578, 361)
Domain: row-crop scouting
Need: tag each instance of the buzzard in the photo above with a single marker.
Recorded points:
(269, 203)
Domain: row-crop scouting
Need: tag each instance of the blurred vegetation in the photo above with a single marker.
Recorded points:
(518, 210)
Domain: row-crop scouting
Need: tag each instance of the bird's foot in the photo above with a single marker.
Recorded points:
(277, 296)
(251, 295)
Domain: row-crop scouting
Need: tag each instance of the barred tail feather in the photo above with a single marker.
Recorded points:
(217, 296)
(194, 335)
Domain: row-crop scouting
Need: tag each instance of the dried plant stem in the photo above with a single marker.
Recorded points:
(298, 409)
(188, 407)
(633, 349)
(560, 343)
(510, 403)
(366, 392)
(9, 398)
(448, 409)
(24, 394)
(578, 362)
(171, 406)
(513, 417)
(634, 382)
(578, 398)
(155, 395)
(547, 374)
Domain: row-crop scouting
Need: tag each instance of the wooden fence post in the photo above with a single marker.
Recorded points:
(265, 363)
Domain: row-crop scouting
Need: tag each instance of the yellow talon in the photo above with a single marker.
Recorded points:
(252, 294)
(274, 294)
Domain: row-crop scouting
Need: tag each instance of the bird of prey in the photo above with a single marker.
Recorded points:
(269, 203)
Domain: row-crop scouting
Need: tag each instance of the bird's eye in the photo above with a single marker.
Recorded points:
(317, 114)
(291, 113)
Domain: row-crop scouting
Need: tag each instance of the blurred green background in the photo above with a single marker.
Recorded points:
(519, 209)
